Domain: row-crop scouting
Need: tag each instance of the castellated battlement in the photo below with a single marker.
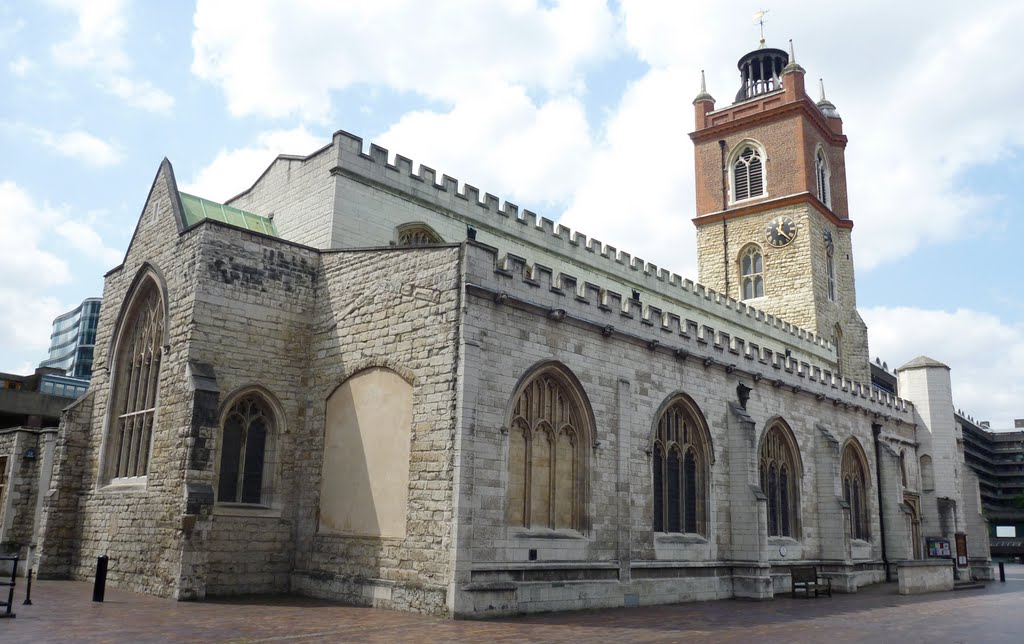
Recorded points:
(505, 220)
(508, 280)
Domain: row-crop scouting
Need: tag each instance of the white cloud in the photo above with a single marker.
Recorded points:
(97, 45)
(25, 223)
(983, 352)
(233, 171)
(75, 144)
(25, 324)
(442, 50)
(499, 141)
(140, 93)
(20, 66)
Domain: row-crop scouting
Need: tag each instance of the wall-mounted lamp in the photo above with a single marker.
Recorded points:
(470, 233)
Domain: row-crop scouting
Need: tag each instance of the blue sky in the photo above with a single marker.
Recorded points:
(578, 110)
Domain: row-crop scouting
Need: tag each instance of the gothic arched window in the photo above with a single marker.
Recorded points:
(246, 431)
(549, 435)
(854, 474)
(822, 174)
(748, 173)
(830, 271)
(417, 235)
(751, 272)
(681, 467)
(780, 480)
(137, 360)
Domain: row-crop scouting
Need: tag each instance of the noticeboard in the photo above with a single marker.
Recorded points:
(938, 547)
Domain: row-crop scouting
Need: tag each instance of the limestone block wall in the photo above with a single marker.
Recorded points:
(629, 361)
(299, 193)
(139, 528)
(795, 278)
(396, 309)
(253, 302)
(26, 480)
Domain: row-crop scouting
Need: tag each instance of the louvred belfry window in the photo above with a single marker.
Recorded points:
(748, 174)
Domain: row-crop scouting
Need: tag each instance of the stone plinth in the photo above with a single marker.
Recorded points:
(916, 577)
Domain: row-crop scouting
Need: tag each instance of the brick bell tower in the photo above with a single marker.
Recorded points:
(773, 223)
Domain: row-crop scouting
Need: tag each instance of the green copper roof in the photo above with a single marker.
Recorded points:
(198, 209)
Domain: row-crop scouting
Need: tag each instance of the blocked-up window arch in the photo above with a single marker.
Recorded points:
(138, 355)
(681, 469)
(549, 437)
(247, 430)
(364, 487)
(748, 172)
(927, 473)
(854, 474)
(780, 480)
(751, 272)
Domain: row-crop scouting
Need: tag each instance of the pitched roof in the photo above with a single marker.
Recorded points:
(197, 209)
(922, 361)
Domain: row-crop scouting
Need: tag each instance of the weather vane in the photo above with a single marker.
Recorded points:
(759, 19)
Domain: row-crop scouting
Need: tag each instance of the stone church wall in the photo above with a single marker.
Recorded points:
(627, 373)
(138, 528)
(396, 309)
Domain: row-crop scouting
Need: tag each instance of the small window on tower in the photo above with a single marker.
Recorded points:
(822, 174)
(751, 272)
(748, 173)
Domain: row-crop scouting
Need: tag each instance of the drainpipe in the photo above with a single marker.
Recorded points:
(725, 226)
(876, 429)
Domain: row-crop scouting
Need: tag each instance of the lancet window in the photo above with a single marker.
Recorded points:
(752, 272)
(137, 378)
(854, 473)
(681, 467)
(243, 450)
(821, 174)
(780, 480)
(549, 435)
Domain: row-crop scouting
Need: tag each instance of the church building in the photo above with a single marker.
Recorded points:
(360, 381)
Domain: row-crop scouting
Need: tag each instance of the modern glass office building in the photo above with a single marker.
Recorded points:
(73, 339)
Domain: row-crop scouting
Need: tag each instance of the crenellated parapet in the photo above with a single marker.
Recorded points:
(562, 296)
(538, 241)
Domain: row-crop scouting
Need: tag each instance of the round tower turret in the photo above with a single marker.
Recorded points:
(761, 72)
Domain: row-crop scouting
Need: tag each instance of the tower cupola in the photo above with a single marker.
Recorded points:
(761, 72)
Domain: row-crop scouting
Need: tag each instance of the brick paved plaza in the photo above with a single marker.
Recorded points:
(62, 612)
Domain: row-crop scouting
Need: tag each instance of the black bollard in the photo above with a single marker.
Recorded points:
(28, 590)
(1002, 572)
(101, 579)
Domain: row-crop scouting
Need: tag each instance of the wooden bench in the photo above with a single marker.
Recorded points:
(806, 579)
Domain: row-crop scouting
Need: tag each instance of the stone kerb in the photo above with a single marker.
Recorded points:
(561, 297)
(489, 212)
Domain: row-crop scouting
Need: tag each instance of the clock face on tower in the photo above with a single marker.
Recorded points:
(780, 231)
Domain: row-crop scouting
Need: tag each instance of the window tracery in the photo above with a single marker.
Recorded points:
(549, 433)
(417, 235)
(780, 481)
(752, 272)
(244, 436)
(138, 358)
(681, 465)
(854, 474)
(748, 173)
